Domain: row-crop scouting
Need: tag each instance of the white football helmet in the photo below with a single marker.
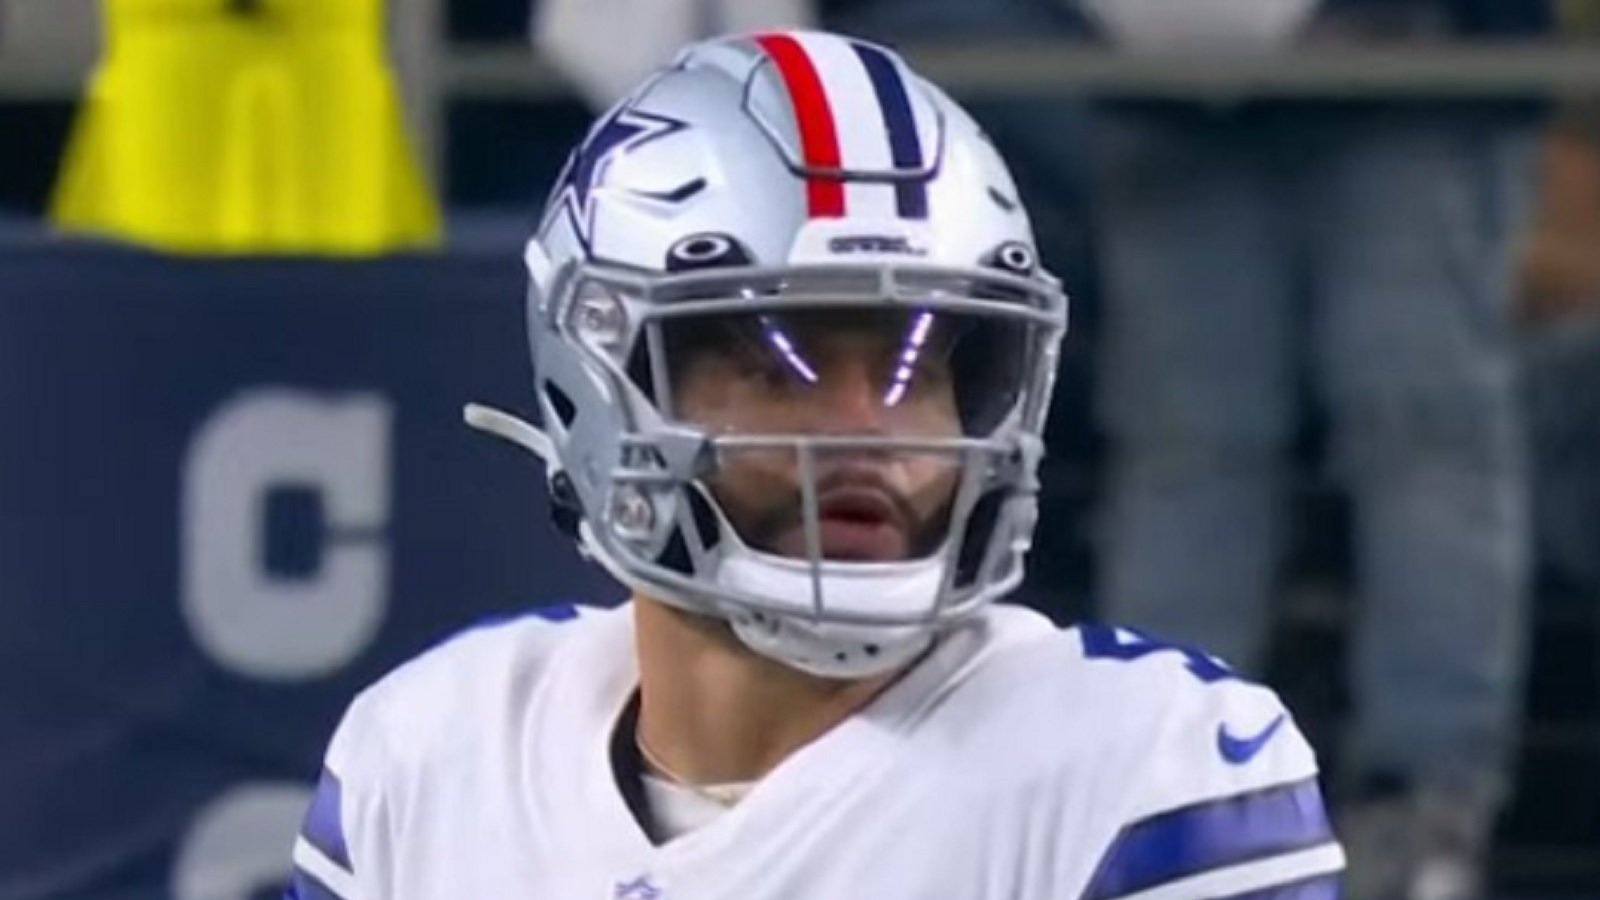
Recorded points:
(755, 188)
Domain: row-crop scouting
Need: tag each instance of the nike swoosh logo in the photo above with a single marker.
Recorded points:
(1240, 750)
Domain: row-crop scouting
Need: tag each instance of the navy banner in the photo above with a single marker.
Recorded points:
(231, 494)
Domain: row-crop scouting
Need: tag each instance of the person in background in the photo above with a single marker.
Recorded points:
(1367, 249)
(1561, 324)
(604, 59)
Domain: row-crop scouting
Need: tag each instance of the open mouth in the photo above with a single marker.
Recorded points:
(860, 525)
(857, 507)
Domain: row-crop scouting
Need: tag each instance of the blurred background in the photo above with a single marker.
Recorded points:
(1330, 406)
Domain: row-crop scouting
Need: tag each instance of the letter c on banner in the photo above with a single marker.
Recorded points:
(238, 845)
(268, 625)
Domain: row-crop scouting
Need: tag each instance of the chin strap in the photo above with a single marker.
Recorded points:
(513, 428)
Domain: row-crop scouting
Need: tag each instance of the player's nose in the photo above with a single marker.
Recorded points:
(852, 400)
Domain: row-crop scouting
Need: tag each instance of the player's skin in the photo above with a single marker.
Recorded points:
(711, 710)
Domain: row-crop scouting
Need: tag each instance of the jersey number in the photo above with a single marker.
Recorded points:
(1101, 642)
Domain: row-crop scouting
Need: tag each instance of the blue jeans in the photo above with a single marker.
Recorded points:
(1371, 254)
(1562, 362)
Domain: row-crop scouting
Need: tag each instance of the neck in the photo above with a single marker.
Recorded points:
(714, 712)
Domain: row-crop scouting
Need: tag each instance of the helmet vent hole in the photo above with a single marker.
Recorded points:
(561, 405)
(705, 251)
(703, 247)
(1017, 258)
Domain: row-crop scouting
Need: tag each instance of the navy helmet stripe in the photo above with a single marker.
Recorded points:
(905, 147)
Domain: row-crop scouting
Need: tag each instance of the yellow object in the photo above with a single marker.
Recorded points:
(246, 126)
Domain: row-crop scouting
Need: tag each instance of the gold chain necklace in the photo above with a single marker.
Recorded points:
(725, 795)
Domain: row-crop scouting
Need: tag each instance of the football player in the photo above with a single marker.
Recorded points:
(794, 352)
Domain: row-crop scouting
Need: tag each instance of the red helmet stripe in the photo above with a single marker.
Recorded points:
(819, 136)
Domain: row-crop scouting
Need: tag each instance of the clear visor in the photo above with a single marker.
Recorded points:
(878, 351)
(866, 416)
(875, 372)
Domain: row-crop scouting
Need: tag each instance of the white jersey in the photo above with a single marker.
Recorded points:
(1018, 761)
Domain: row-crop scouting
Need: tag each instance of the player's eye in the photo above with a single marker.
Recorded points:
(768, 373)
(932, 369)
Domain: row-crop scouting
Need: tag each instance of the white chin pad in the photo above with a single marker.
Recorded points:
(785, 629)
(903, 591)
(829, 649)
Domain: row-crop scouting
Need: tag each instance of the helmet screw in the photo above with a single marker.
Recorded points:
(599, 317)
(633, 513)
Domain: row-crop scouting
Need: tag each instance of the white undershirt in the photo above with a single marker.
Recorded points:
(679, 810)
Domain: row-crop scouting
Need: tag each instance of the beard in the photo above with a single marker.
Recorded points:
(894, 520)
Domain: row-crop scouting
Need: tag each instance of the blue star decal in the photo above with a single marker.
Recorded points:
(622, 131)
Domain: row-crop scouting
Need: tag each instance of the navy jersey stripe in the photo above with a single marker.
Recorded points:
(1215, 834)
(1322, 887)
(324, 827)
(305, 886)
